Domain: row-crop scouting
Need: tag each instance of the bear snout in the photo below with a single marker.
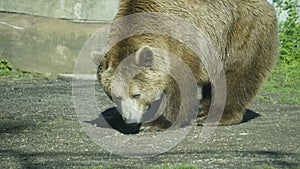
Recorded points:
(131, 122)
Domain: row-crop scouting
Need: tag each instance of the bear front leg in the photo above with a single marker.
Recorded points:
(203, 111)
(204, 104)
(159, 124)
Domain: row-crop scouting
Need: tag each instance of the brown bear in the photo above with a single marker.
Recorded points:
(243, 34)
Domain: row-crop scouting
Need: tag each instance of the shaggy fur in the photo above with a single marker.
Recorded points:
(243, 32)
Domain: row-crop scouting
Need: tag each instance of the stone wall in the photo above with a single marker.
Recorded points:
(41, 35)
(89, 10)
(40, 44)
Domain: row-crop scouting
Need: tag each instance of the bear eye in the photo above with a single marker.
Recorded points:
(136, 96)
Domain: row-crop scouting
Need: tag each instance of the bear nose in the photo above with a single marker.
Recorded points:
(131, 122)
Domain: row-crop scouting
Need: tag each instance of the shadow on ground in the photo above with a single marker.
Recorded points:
(57, 159)
(13, 126)
(111, 118)
(250, 115)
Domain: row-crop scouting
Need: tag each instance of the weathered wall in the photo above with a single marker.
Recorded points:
(48, 44)
(41, 44)
(91, 10)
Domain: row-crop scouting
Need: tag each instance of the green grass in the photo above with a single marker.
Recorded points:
(182, 166)
(285, 81)
(6, 120)
(270, 167)
(7, 73)
(167, 166)
(21, 75)
(267, 167)
(49, 123)
(98, 167)
(286, 76)
(265, 99)
(164, 166)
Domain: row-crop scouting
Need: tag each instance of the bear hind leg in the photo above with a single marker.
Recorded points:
(240, 90)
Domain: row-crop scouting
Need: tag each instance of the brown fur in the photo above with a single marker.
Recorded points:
(243, 32)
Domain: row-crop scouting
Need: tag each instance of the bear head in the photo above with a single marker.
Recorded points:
(138, 86)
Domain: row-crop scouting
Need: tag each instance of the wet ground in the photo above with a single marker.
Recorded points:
(39, 128)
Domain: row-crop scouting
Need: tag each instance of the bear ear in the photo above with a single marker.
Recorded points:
(145, 56)
(96, 57)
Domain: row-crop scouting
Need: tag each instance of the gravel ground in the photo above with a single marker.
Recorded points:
(39, 128)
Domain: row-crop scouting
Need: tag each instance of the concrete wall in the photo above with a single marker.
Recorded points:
(91, 10)
(40, 44)
(49, 44)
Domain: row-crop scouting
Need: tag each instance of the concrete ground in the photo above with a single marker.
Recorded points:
(39, 128)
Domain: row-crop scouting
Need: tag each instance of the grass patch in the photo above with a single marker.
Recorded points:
(97, 167)
(286, 76)
(264, 99)
(6, 120)
(7, 73)
(286, 82)
(182, 166)
(50, 122)
(265, 167)
(270, 167)
(284, 79)
(290, 99)
(166, 166)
